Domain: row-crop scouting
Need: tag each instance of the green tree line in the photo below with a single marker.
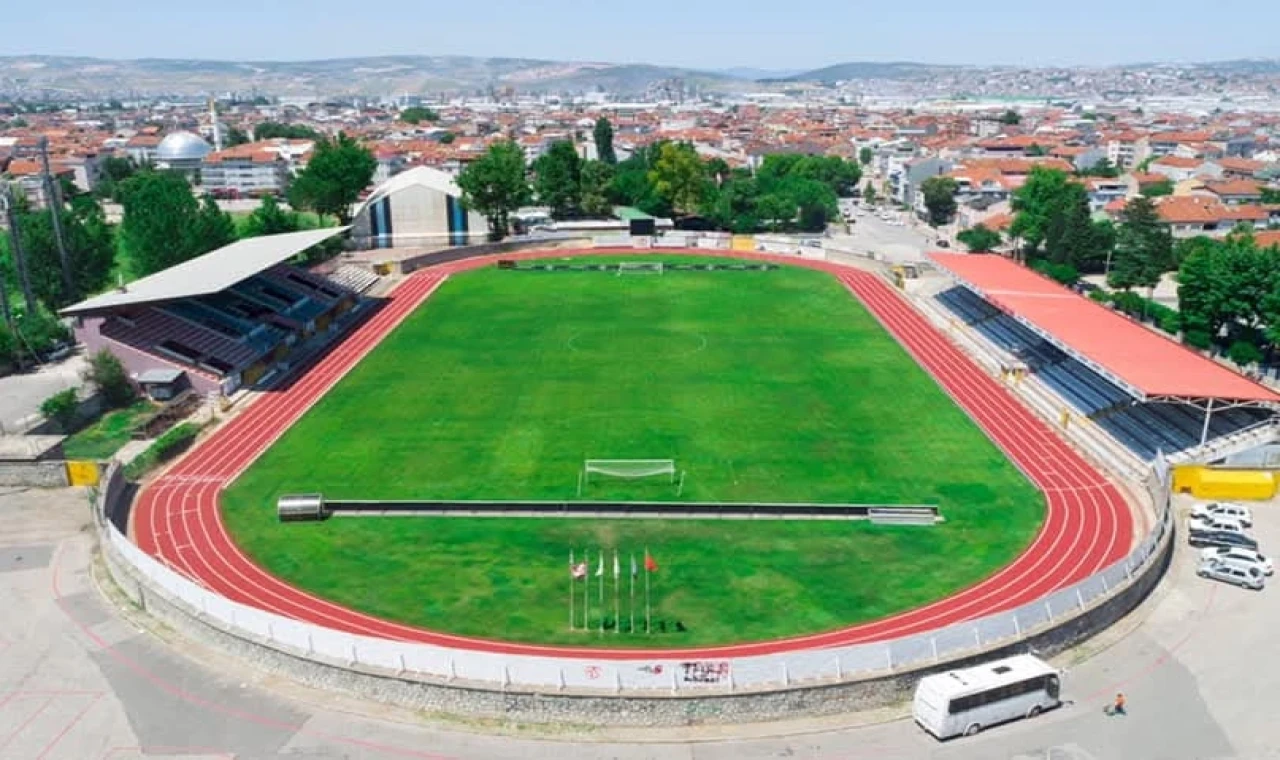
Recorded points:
(665, 179)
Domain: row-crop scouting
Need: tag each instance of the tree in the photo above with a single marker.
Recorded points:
(62, 408)
(270, 130)
(107, 374)
(1102, 168)
(447, 138)
(159, 218)
(235, 136)
(596, 177)
(417, 115)
(1158, 189)
(679, 176)
(865, 156)
(869, 194)
(1010, 117)
(495, 185)
(213, 228)
(1035, 205)
(339, 170)
(558, 179)
(90, 244)
(979, 238)
(1270, 194)
(735, 206)
(1144, 247)
(1036, 149)
(939, 199)
(112, 171)
(603, 135)
(270, 219)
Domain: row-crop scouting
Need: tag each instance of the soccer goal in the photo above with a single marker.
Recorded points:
(639, 267)
(595, 470)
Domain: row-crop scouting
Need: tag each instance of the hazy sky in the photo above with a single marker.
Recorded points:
(696, 33)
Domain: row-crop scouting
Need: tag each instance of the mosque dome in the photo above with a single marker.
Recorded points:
(182, 146)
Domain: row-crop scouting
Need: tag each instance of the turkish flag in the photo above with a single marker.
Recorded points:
(650, 564)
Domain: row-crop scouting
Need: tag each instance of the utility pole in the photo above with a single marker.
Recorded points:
(53, 198)
(19, 257)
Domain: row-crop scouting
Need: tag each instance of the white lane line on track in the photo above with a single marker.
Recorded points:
(993, 421)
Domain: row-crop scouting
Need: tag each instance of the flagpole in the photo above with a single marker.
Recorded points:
(586, 594)
(571, 579)
(600, 573)
(648, 613)
(617, 611)
(632, 629)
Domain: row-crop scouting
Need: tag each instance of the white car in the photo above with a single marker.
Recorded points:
(1245, 576)
(1221, 510)
(1212, 522)
(1238, 554)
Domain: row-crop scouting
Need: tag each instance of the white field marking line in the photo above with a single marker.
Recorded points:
(165, 501)
(983, 415)
(415, 630)
(1074, 462)
(317, 381)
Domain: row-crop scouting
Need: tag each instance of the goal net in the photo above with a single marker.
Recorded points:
(596, 470)
(639, 267)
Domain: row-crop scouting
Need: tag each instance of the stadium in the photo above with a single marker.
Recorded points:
(456, 416)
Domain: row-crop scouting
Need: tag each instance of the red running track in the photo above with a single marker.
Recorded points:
(1088, 524)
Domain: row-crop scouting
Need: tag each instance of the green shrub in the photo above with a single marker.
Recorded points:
(1244, 353)
(163, 449)
(108, 375)
(1198, 339)
(61, 408)
(1062, 273)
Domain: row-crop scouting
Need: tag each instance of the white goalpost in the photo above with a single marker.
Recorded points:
(639, 267)
(630, 469)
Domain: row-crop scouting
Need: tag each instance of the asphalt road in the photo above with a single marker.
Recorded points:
(81, 680)
(21, 394)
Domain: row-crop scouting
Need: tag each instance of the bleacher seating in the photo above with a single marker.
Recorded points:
(354, 278)
(157, 331)
(1144, 428)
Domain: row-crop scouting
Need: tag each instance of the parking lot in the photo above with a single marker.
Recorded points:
(895, 243)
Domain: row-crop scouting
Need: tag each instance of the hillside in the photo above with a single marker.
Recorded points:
(384, 75)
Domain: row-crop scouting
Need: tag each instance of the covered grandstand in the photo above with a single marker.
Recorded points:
(228, 319)
(1148, 392)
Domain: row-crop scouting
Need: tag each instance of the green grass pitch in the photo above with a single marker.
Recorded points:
(763, 386)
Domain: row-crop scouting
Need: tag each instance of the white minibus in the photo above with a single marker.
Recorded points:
(967, 701)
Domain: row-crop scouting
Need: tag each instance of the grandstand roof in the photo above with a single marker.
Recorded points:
(204, 275)
(1120, 348)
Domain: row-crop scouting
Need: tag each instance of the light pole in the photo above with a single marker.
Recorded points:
(53, 199)
(10, 208)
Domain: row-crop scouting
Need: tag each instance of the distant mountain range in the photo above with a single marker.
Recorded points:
(46, 76)
(385, 75)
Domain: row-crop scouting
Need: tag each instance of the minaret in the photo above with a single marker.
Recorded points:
(213, 120)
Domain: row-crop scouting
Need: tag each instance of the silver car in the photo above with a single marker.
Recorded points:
(1239, 554)
(1245, 576)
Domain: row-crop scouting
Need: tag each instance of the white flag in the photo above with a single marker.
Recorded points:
(600, 567)
(617, 568)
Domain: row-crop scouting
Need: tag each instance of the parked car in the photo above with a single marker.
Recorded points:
(1213, 522)
(1245, 576)
(1235, 512)
(943, 244)
(1223, 538)
(1238, 554)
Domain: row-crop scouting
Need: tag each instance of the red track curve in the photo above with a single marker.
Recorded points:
(1088, 524)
